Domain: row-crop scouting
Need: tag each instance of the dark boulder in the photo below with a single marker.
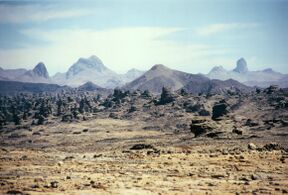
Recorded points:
(146, 94)
(167, 96)
(219, 109)
(67, 118)
(271, 89)
(141, 147)
(271, 146)
(201, 126)
(251, 123)
(132, 109)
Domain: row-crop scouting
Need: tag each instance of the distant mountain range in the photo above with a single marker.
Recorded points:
(90, 74)
(38, 75)
(241, 73)
(84, 70)
(160, 76)
(92, 69)
(16, 87)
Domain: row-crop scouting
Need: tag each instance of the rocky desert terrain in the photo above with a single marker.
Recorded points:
(140, 143)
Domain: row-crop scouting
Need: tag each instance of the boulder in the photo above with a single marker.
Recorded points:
(219, 109)
(141, 147)
(271, 89)
(252, 146)
(271, 146)
(167, 96)
(67, 118)
(200, 126)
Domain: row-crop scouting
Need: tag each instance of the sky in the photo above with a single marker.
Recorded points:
(187, 35)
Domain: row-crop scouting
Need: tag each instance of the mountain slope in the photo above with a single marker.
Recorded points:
(11, 74)
(15, 87)
(159, 76)
(215, 86)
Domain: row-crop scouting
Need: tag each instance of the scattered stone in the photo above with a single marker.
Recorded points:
(282, 159)
(15, 192)
(35, 186)
(271, 89)
(219, 109)
(218, 176)
(85, 130)
(237, 131)
(204, 112)
(213, 134)
(60, 163)
(98, 186)
(251, 123)
(270, 147)
(202, 126)
(54, 184)
(69, 158)
(67, 118)
(255, 177)
(141, 147)
(97, 155)
(252, 146)
(113, 115)
(146, 94)
(167, 96)
(132, 109)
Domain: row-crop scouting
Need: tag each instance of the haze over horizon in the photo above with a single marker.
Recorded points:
(191, 36)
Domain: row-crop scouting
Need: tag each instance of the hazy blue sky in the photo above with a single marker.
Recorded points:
(188, 35)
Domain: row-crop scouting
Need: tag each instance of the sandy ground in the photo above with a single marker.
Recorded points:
(95, 157)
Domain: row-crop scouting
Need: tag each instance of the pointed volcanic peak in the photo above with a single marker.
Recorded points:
(93, 63)
(241, 66)
(160, 76)
(41, 70)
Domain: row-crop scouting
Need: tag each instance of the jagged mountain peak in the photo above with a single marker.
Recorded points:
(91, 62)
(86, 64)
(41, 70)
(241, 66)
(217, 69)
